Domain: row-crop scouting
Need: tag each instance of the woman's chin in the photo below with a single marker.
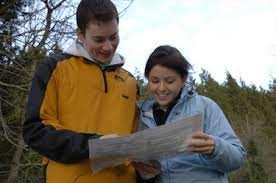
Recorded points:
(163, 102)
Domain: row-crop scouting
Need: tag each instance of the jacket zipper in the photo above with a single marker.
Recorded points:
(105, 80)
(104, 70)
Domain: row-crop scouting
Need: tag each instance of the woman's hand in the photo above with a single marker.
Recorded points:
(200, 142)
(147, 170)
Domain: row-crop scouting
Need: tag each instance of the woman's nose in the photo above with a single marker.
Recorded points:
(162, 86)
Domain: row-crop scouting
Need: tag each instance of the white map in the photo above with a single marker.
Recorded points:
(149, 144)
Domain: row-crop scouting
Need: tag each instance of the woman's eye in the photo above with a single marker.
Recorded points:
(154, 81)
(170, 81)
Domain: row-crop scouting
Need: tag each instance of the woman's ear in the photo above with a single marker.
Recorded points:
(148, 89)
(184, 80)
(147, 86)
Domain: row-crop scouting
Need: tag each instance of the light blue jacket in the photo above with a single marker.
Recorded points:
(228, 155)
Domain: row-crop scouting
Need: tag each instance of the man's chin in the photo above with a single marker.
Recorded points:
(104, 61)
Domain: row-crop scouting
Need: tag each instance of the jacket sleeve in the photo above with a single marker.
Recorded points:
(229, 154)
(42, 130)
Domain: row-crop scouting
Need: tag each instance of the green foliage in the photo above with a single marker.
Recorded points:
(9, 12)
(33, 170)
(254, 170)
(142, 85)
(247, 108)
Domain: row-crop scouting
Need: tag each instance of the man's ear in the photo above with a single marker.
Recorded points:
(80, 35)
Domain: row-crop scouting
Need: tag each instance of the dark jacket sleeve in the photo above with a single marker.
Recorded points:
(61, 145)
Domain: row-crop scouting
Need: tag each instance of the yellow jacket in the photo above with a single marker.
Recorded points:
(72, 100)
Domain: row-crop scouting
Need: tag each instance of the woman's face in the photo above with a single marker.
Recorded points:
(165, 84)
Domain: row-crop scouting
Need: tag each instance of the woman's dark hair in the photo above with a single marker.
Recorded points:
(169, 57)
(95, 10)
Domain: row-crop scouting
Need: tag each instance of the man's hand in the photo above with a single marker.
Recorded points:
(109, 136)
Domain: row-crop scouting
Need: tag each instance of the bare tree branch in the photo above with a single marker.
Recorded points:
(14, 86)
(47, 26)
(58, 4)
(122, 12)
(16, 162)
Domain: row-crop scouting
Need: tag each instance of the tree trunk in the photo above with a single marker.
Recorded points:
(16, 161)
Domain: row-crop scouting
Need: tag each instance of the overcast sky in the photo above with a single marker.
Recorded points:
(238, 36)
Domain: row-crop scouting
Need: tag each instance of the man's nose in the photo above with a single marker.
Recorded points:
(107, 45)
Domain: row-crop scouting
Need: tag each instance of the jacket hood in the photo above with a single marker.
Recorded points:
(77, 49)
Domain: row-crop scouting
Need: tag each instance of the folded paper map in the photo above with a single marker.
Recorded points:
(150, 144)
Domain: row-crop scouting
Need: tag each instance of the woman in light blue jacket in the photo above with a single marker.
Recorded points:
(215, 151)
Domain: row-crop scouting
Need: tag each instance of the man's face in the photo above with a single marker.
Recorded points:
(101, 40)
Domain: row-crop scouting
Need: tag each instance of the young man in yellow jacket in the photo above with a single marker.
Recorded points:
(81, 94)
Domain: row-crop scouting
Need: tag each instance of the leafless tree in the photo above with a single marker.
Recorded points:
(42, 27)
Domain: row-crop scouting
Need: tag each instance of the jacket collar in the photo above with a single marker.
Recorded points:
(77, 49)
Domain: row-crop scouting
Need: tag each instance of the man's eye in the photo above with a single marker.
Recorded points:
(99, 40)
(112, 38)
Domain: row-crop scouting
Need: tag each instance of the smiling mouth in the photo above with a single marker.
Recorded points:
(106, 54)
(162, 96)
